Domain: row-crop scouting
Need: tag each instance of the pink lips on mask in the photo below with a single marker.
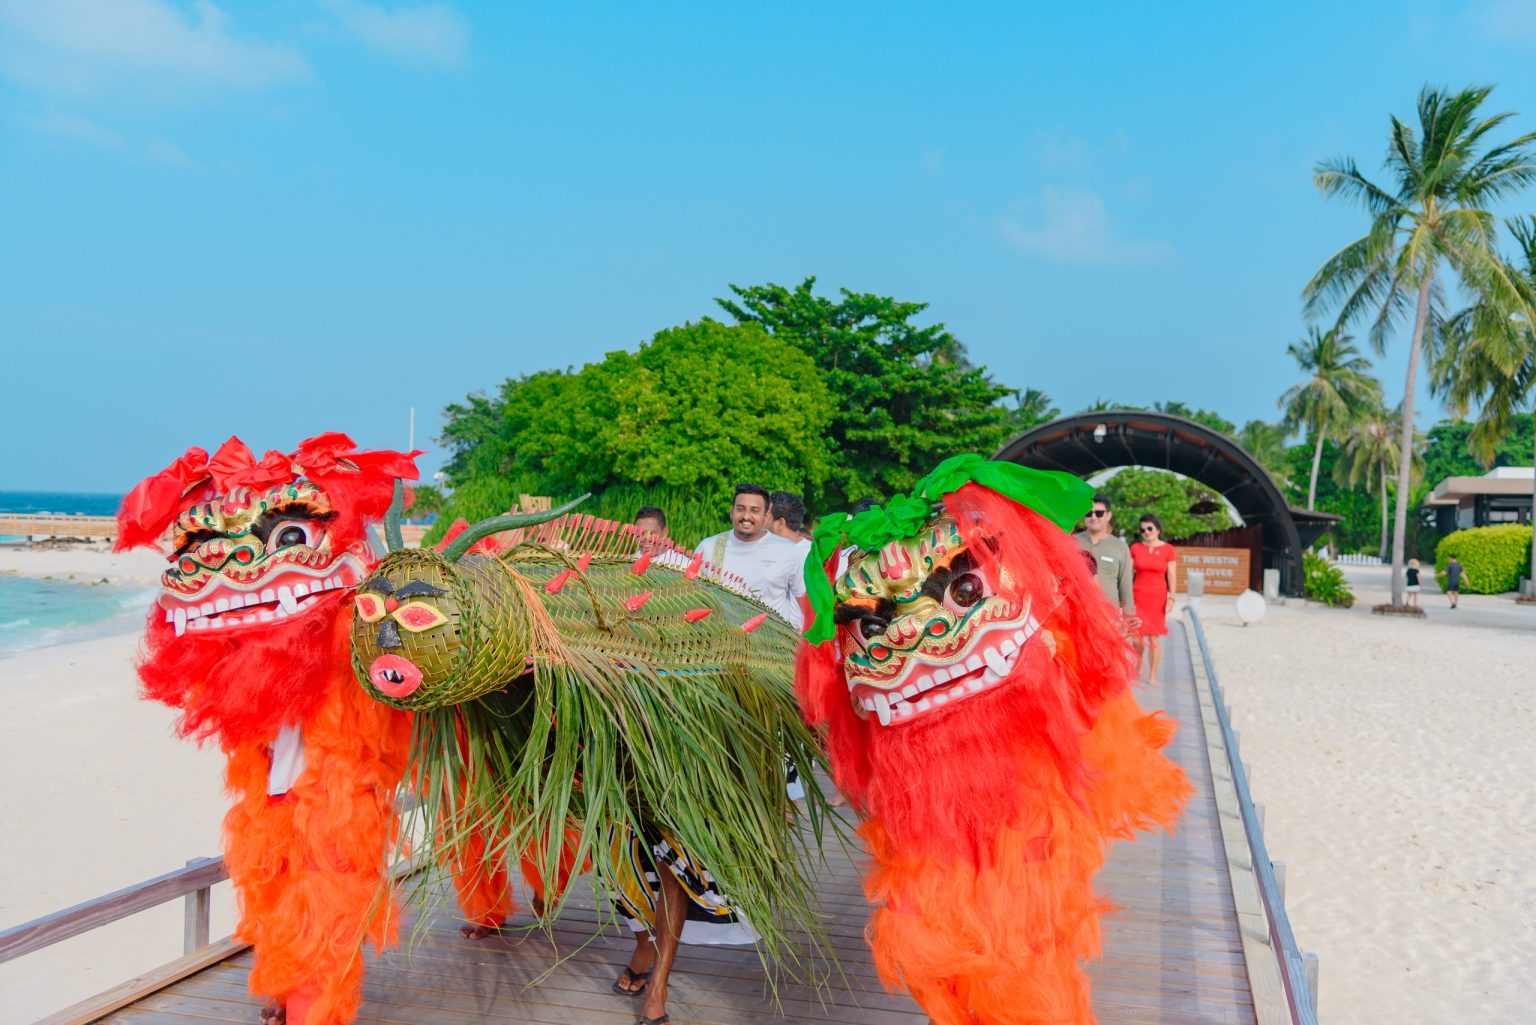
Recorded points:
(395, 676)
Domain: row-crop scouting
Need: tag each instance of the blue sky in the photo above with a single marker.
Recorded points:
(278, 218)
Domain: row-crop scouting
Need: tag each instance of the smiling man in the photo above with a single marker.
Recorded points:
(769, 564)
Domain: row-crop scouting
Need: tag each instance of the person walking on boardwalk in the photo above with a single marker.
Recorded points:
(1153, 561)
(1455, 573)
(1111, 559)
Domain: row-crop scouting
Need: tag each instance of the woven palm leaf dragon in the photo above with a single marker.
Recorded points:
(578, 679)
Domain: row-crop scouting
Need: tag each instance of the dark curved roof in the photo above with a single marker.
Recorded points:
(1139, 438)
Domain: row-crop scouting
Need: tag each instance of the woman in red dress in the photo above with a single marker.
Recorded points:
(1152, 559)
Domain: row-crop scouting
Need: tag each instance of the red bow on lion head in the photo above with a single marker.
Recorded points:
(364, 479)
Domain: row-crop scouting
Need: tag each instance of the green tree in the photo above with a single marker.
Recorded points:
(695, 410)
(1368, 459)
(1338, 388)
(1031, 408)
(1265, 442)
(906, 397)
(1185, 506)
(426, 500)
(1489, 359)
(1359, 508)
(1435, 215)
(1204, 417)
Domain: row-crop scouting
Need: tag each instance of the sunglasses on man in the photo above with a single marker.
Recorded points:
(1096, 513)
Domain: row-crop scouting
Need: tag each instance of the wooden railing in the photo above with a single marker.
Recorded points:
(48, 525)
(192, 882)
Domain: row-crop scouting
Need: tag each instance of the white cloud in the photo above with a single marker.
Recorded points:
(88, 47)
(1064, 224)
(73, 126)
(426, 34)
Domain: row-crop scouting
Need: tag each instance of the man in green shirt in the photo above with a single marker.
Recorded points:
(1111, 558)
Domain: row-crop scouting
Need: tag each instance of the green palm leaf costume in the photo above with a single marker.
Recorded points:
(569, 683)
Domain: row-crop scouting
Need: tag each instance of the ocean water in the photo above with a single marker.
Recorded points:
(35, 613)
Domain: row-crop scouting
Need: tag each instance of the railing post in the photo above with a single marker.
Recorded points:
(199, 904)
(1278, 868)
(1309, 970)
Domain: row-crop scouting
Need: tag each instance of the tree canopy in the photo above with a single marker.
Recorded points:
(699, 407)
(1172, 498)
(906, 398)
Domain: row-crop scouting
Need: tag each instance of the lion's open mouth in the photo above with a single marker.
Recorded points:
(925, 688)
(226, 604)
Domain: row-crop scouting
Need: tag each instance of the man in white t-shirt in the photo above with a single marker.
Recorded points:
(770, 565)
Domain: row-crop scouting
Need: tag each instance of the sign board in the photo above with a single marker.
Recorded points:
(1225, 569)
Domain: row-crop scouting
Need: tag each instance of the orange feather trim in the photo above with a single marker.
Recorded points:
(308, 866)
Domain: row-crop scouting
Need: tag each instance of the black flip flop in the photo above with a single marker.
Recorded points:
(631, 976)
(663, 1020)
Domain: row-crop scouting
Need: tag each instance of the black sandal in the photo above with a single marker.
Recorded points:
(665, 1019)
(629, 977)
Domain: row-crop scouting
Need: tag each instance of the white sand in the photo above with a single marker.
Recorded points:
(98, 795)
(1396, 760)
(85, 563)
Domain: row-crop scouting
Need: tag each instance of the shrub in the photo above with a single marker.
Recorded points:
(1324, 582)
(1495, 558)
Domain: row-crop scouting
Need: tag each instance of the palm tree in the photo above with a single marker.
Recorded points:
(1435, 216)
(1369, 457)
(1032, 407)
(1338, 389)
(1265, 442)
(1489, 358)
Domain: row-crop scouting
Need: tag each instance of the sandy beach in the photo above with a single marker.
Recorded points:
(1395, 758)
(100, 794)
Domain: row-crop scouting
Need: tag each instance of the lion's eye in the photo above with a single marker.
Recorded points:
(291, 532)
(872, 626)
(966, 590)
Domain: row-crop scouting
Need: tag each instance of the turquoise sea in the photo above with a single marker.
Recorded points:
(35, 613)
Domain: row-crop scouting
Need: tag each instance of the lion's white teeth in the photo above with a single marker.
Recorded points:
(181, 621)
(169, 615)
(943, 674)
(994, 660)
(975, 685)
(206, 608)
(300, 590)
(1008, 647)
(973, 663)
(911, 689)
(268, 596)
(882, 708)
(286, 600)
(221, 605)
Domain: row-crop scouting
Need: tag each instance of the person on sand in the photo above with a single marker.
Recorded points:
(1455, 573)
(1153, 560)
(1413, 583)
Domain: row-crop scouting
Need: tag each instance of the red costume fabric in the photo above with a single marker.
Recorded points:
(1149, 587)
(987, 815)
(250, 639)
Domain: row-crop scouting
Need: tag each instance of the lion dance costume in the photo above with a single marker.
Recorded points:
(975, 688)
(250, 639)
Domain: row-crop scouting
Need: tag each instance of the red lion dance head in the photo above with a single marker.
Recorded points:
(975, 687)
(250, 638)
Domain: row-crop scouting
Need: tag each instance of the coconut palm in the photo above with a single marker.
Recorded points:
(1338, 389)
(1489, 358)
(1434, 217)
(1368, 458)
(1032, 407)
(1265, 442)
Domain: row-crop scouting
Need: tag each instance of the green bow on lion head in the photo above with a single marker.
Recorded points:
(1059, 497)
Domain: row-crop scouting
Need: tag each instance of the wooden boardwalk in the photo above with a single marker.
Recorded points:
(1173, 952)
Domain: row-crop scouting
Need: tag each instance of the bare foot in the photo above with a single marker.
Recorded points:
(471, 931)
(273, 1014)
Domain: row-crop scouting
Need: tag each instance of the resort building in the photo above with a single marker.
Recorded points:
(1502, 495)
